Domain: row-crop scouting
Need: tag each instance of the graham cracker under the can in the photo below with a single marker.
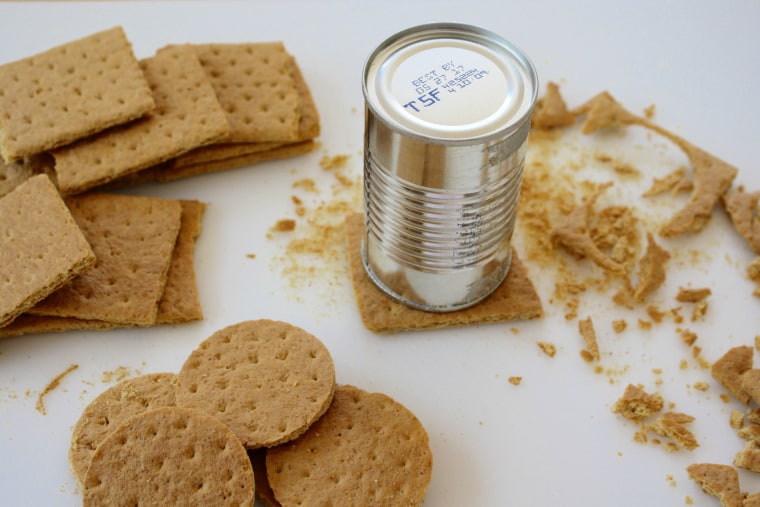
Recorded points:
(515, 299)
(133, 238)
(267, 380)
(111, 408)
(367, 449)
(187, 115)
(41, 246)
(254, 83)
(170, 456)
(69, 92)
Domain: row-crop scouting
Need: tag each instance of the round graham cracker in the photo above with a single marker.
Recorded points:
(111, 408)
(267, 380)
(367, 449)
(170, 456)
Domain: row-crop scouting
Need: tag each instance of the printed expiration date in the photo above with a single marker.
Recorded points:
(449, 77)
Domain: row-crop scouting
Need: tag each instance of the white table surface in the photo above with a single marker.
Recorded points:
(550, 441)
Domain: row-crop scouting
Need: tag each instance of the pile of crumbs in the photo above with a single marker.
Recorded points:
(600, 224)
(315, 248)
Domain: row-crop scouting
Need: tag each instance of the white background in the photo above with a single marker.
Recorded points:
(551, 441)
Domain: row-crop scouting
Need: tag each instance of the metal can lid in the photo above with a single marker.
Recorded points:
(450, 82)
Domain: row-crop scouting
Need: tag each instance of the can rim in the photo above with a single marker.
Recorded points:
(456, 31)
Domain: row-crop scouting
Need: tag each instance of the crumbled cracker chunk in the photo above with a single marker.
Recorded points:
(586, 328)
(721, 481)
(750, 383)
(551, 110)
(729, 368)
(637, 405)
(744, 210)
(687, 295)
(672, 425)
(651, 269)
(749, 457)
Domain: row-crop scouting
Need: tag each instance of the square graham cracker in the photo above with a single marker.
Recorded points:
(69, 92)
(308, 128)
(515, 299)
(133, 239)
(179, 302)
(187, 115)
(254, 83)
(41, 246)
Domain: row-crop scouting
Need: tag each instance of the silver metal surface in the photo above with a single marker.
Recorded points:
(448, 110)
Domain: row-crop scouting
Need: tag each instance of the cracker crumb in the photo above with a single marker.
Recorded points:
(669, 182)
(548, 348)
(688, 337)
(736, 420)
(729, 368)
(515, 380)
(672, 425)
(586, 329)
(619, 325)
(40, 405)
(284, 225)
(686, 295)
(701, 386)
(637, 405)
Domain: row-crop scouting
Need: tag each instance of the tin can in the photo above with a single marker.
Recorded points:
(447, 114)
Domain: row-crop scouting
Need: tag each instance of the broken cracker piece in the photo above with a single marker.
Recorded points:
(651, 269)
(721, 481)
(573, 234)
(729, 368)
(637, 405)
(603, 111)
(671, 425)
(686, 295)
(669, 182)
(744, 210)
(749, 457)
(586, 328)
(750, 383)
(551, 110)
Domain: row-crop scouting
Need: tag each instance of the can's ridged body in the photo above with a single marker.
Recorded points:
(446, 124)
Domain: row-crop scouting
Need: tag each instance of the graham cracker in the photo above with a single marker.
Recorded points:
(267, 380)
(168, 173)
(730, 367)
(254, 83)
(133, 239)
(515, 299)
(69, 92)
(367, 449)
(169, 456)
(263, 489)
(721, 481)
(41, 246)
(111, 408)
(187, 115)
(180, 302)
(308, 128)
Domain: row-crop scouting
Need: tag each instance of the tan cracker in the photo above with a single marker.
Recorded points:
(515, 299)
(267, 380)
(41, 246)
(170, 456)
(69, 92)
(111, 408)
(367, 449)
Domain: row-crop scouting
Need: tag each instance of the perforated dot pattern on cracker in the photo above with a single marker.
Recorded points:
(368, 449)
(69, 92)
(170, 456)
(41, 246)
(267, 380)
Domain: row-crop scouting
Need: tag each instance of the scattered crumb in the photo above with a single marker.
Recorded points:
(548, 348)
(251, 255)
(619, 325)
(283, 225)
(40, 406)
(515, 380)
(586, 328)
(701, 386)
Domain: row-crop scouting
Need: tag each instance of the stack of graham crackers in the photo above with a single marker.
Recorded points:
(87, 115)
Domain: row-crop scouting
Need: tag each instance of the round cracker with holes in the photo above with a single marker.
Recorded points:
(170, 456)
(267, 380)
(112, 407)
(367, 449)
